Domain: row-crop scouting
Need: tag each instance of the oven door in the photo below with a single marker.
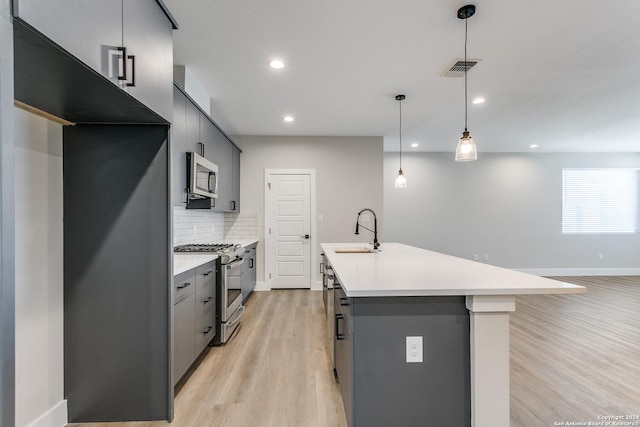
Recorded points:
(232, 291)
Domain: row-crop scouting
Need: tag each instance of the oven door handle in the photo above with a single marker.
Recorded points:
(238, 314)
(235, 263)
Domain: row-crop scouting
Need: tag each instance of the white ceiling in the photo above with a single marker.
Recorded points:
(562, 74)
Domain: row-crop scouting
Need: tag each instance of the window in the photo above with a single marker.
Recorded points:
(600, 200)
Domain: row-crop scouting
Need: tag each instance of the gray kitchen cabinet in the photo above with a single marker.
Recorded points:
(235, 183)
(148, 37)
(184, 318)
(218, 148)
(249, 271)
(205, 327)
(178, 150)
(194, 315)
(378, 386)
(95, 32)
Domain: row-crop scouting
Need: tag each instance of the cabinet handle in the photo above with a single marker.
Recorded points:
(123, 76)
(206, 331)
(207, 300)
(184, 285)
(233, 205)
(207, 273)
(339, 317)
(133, 70)
(251, 263)
(321, 267)
(344, 301)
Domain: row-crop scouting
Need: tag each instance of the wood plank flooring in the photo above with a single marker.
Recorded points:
(274, 372)
(573, 358)
(576, 357)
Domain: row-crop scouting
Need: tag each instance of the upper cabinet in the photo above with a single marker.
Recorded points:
(190, 127)
(129, 42)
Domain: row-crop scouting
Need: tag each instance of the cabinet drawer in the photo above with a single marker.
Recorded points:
(206, 275)
(184, 285)
(343, 305)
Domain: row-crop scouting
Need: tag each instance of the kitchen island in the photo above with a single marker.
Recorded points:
(459, 310)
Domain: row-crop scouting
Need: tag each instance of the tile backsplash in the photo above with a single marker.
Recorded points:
(203, 226)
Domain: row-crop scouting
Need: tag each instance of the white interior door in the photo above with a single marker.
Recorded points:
(290, 231)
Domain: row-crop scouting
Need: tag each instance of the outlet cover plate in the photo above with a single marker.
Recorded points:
(414, 349)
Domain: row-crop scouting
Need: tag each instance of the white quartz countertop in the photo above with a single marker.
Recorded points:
(402, 270)
(187, 261)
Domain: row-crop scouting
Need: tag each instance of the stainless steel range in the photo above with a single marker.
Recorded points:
(229, 306)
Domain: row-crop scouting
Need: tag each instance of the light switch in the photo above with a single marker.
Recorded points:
(320, 218)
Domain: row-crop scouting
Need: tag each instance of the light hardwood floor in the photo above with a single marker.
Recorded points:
(576, 357)
(573, 358)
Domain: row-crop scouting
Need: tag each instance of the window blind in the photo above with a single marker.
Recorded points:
(600, 200)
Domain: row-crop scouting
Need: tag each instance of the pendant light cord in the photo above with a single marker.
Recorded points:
(400, 134)
(465, 74)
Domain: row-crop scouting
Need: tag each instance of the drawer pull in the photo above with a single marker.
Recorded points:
(206, 331)
(339, 336)
(207, 273)
(344, 301)
(207, 300)
(184, 285)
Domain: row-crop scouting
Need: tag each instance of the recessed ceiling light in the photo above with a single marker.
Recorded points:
(534, 146)
(415, 144)
(288, 118)
(478, 100)
(276, 63)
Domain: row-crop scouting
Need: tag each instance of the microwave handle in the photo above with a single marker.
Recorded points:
(212, 182)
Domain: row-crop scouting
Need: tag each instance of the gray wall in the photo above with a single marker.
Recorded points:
(348, 179)
(506, 206)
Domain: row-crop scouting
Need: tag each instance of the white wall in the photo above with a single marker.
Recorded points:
(348, 179)
(39, 272)
(506, 206)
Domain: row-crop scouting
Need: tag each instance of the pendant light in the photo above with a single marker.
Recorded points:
(466, 150)
(401, 181)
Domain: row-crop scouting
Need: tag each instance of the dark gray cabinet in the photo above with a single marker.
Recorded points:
(192, 127)
(205, 326)
(194, 315)
(249, 271)
(178, 149)
(378, 387)
(95, 32)
(184, 318)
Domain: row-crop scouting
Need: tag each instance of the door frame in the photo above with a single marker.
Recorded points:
(314, 267)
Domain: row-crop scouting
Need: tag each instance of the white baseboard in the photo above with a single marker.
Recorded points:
(261, 286)
(54, 417)
(580, 271)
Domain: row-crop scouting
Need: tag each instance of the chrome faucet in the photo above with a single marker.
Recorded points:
(376, 245)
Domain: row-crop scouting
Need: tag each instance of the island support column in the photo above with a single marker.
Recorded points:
(490, 359)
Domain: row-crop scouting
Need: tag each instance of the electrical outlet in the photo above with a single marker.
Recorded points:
(600, 257)
(486, 257)
(320, 218)
(365, 218)
(414, 349)
(475, 257)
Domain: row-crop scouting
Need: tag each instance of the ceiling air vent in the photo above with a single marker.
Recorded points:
(459, 67)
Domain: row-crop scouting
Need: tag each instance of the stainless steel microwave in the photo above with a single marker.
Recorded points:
(202, 176)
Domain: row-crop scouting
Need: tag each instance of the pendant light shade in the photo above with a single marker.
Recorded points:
(466, 150)
(401, 180)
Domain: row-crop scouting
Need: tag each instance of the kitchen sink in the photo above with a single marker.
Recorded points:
(354, 250)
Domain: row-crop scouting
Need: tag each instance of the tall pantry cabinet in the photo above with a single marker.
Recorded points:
(70, 62)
